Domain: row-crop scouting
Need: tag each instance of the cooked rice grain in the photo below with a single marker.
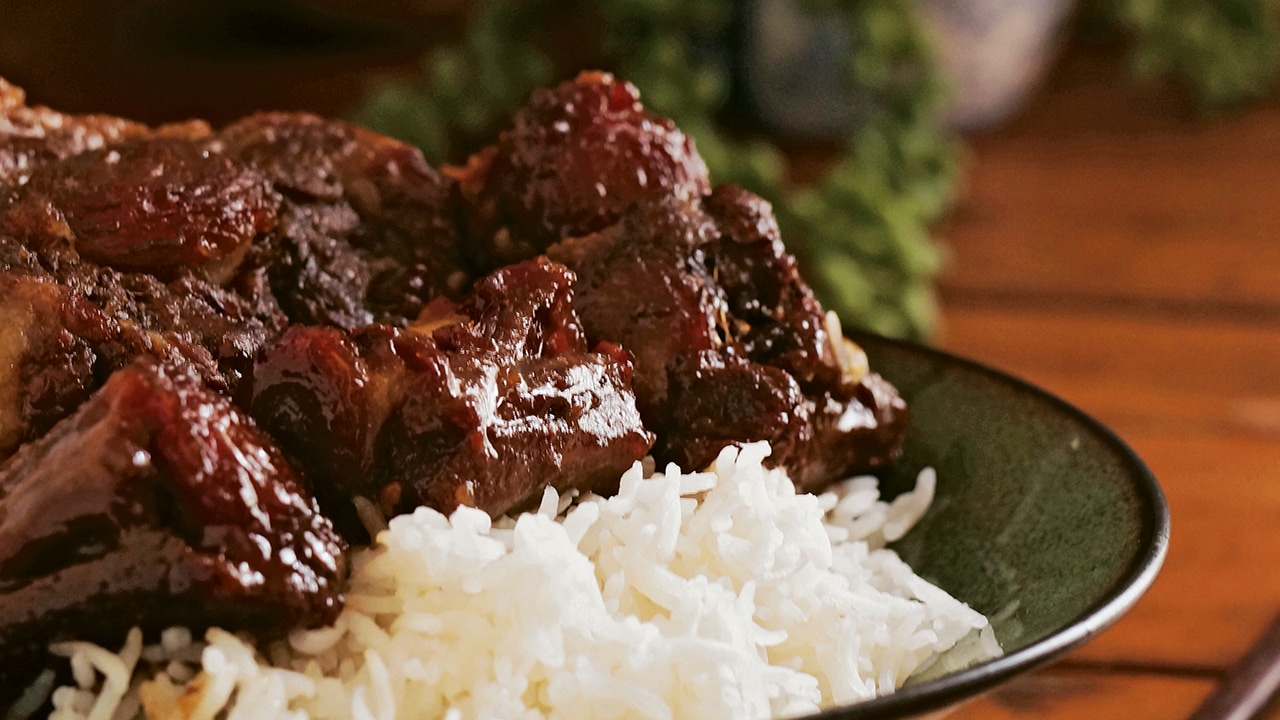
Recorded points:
(722, 594)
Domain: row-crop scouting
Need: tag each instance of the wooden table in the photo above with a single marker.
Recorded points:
(1109, 249)
(1125, 256)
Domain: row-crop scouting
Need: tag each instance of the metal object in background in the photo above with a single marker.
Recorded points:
(1251, 685)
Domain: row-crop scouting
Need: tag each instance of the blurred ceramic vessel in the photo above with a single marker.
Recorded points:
(791, 61)
(994, 53)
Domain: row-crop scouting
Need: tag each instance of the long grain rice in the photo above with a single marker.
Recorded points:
(721, 594)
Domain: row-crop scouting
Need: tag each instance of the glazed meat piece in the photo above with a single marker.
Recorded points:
(347, 226)
(571, 161)
(483, 402)
(715, 398)
(32, 136)
(730, 345)
(158, 504)
(644, 284)
(856, 419)
(772, 316)
(369, 230)
(54, 348)
(156, 205)
(134, 248)
(68, 324)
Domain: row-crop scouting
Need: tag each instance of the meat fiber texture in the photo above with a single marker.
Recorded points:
(482, 403)
(203, 246)
(730, 344)
(157, 503)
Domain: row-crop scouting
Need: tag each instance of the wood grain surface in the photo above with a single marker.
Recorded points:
(1111, 247)
(1125, 255)
(1059, 693)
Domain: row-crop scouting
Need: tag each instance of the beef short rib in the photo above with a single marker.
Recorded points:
(730, 344)
(157, 504)
(570, 162)
(369, 231)
(68, 324)
(482, 402)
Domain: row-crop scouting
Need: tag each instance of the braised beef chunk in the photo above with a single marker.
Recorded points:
(857, 420)
(155, 205)
(483, 402)
(370, 231)
(570, 162)
(717, 398)
(30, 136)
(128, 245)
(157, 504)
(317, 276)
(68, 324)
(33, 136)
(730, 345)
(644, 284)
(320, 399)
(775, 319)
(53, 345)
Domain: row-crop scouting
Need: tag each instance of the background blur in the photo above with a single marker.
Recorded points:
(158, 60)
(1111, 236)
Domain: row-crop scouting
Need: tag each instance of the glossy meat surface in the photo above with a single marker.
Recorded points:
(369, 233)
(730, 344)
(31, 136)
(571, 161)
(483, 402)
(68, 324)
(156, 504)
(155, 205)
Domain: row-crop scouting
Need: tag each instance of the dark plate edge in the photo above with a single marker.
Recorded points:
(969, 683)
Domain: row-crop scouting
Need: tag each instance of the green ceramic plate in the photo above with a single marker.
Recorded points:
(1044, 520)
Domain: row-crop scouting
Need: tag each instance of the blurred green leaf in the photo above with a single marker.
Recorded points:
(1227, 52)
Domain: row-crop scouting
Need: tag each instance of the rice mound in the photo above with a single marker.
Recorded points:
(718, 594)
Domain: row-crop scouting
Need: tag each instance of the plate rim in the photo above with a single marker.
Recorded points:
(971, 682)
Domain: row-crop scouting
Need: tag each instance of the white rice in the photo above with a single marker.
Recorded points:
(721, 594)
